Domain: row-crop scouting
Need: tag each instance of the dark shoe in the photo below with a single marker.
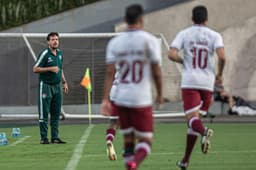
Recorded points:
(230, 112)
(181, 165)
(44, 141)
(58, 141)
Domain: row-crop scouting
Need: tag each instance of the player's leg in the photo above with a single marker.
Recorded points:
(142, 121)
(190, 143)
(127, 131)
(110, 136)
(55, 111)
(192, 103)
(129, 146)
(111, 130)
(44, 100)
(191, 106)
(206, 97)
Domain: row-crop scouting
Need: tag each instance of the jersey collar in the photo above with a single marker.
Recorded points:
(132, 29)
(199, 25)
(49, 50)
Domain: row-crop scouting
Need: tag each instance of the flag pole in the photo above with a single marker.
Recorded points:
(89, 106)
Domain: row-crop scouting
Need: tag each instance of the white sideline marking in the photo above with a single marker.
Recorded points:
(20, 141)
(175, 153)
(77, 153)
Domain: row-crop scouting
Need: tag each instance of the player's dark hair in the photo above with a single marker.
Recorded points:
(51, 34)
(132, 13)
(199, 14)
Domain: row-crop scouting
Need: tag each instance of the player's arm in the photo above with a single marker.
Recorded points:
(175, 46)
(37, 69)
(221, 62)
(173, 55)
(109, 78)
(155, 57)
(40, 63)
(157, 76)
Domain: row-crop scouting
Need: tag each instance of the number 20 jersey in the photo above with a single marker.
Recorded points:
(198, 43)
(133, 52)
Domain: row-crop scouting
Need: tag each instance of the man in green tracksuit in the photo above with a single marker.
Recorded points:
(51, 82)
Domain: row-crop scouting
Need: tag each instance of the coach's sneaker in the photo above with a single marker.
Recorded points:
(44, 141)
(205, 142)
(181, 165)
(58, 141)
(111, 151)
(131, 166)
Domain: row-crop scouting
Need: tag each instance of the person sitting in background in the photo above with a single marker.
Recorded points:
(221, 95)
(237, 105)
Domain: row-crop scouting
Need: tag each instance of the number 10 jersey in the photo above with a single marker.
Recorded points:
(198, 43)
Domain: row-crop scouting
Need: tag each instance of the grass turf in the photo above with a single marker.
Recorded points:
(233, 148)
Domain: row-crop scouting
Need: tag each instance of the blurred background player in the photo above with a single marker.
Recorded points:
(198, 43)
(135, 55)
(51, 82)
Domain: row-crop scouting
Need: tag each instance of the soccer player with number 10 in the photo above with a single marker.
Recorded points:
(198, 43)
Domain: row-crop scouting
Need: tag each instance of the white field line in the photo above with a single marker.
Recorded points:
(20, 141)
(177, 153)
(78, 151)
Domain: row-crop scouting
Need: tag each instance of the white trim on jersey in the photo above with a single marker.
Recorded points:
(41, 101)
(143, 134)
(193, 109)
(190, 131)
(202, 112)
(144, 146)
(191, 121)
(196, 87)
(41, 57)
(219, 47)
(137, 133)
(113, 117)
(126, 131)
(110, 135)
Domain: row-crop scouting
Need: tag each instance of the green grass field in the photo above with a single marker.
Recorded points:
(233, 148)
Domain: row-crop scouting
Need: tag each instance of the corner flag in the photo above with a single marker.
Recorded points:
(86, 81)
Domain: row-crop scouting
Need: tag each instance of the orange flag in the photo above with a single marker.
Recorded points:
(86, 81)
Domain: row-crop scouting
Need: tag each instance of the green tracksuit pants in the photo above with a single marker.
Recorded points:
(49, 101)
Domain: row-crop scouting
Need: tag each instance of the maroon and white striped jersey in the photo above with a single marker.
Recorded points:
(198, 43)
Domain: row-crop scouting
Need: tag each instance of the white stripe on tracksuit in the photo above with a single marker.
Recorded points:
(41, 101)
(41, 86)
(41, 57)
